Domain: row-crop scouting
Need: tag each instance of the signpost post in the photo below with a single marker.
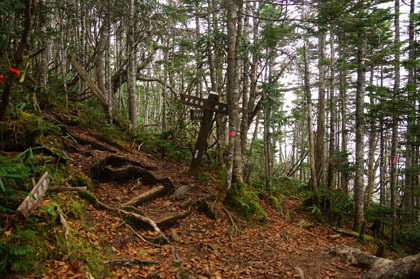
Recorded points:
(208, 108)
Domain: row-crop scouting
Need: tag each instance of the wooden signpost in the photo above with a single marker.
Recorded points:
(32, 200)
(208, 108)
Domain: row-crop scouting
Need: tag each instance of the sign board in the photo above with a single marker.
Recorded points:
(197, 114)
(206, 104)
(32, 200)
(207, 108)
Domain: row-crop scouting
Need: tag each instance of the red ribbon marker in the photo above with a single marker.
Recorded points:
(15, 71)
(394, 159)
(2, 79)
(231, 133)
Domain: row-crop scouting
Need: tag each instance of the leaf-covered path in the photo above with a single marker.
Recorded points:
(199, 247)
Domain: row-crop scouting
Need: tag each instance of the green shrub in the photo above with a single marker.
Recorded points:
(410, 236)
(15, 255)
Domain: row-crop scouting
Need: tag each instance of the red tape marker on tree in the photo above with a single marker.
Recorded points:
(394, 159)
(231, 133)
(2, 79)
(15, 71)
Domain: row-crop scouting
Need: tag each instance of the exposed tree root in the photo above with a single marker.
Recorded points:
(380, 268)
(170, 219)
(148, 195)
(139, 236)
(118, 161)
(235, 227)
(104, 173)
(129, 262)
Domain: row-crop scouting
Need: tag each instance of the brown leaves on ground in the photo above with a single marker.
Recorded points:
(208, 248)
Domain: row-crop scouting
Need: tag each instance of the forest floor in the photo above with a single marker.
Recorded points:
(200, 247)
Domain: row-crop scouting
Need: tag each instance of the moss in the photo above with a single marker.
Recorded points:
(81, 180)
(246, 203)
(273, 201)
(89, 198)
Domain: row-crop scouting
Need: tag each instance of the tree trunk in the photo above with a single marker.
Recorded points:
(100, 60)
(232, 90)
(411, 88)
(131, 71)
(394, 140)
(11, 77)
(309, 114)
(343, 102)
(360, 131)
(237, 157)
(320, 135)
(372, 148)
(45, 39)
(331, 151)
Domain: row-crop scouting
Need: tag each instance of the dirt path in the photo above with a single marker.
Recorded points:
(207, 248)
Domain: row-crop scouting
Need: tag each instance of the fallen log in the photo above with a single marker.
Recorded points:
(379, 268)
(354, 234)
(98, 93)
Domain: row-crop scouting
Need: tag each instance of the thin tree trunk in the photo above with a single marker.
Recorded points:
(343, 102)
(232, 90)
(100, 60)
(45, 39)
(372, 148)
(410, 173)
(331, 151)
(320, 135)
(360, 131)
(131, 72)
(237, 157)
(309, 114)
(394, 140)
(18, 56)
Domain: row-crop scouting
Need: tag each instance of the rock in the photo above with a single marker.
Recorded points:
(174, 235)
(181, 192)
(300, 272)
(185, 204)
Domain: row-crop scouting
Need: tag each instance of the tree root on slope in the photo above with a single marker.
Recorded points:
(379, 268)
(132, 215)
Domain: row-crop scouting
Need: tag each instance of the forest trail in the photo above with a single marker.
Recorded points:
(203, 247)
